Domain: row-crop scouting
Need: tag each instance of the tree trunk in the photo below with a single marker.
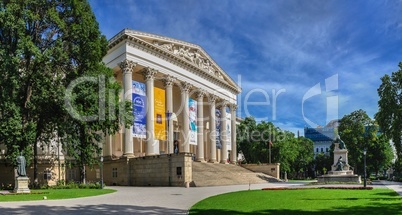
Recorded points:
(82, 173)
(36, 184)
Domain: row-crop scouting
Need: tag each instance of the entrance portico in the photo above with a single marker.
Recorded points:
(184, 72)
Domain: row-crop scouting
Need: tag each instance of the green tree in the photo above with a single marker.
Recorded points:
(360, 132)
(30, 63)
(352, 131)
(389, 115)
(294, 154)
(380, 154)
(305, 155)
(322, 162)
(45, 46)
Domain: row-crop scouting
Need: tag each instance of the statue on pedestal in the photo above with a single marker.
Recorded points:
(342, 144)
(21, 181)
(340, 164)
(21, 166)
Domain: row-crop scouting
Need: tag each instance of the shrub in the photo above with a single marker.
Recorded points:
(73, 185)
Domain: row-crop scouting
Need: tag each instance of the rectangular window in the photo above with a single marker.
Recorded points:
(97, 171)
(178, 170)
(114, 172)
(322, 149)
(316, 150)
(327, 149)
(71, 174)
(47, 175)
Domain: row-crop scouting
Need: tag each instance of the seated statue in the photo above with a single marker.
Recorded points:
(339, 165)
(342, 144)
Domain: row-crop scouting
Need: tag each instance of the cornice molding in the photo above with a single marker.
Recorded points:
(175, 59)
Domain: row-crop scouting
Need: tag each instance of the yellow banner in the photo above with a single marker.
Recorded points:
(160, 114)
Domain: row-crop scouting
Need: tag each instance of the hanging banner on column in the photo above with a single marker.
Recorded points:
(160, 112)
(192, 106)
(229, 131)
(139, 110)
(218, 129)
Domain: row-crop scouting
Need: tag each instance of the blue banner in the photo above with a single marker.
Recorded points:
(218, 129)
(139, 110)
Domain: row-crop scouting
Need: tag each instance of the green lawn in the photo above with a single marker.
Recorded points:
(52, 194)
(304, 202)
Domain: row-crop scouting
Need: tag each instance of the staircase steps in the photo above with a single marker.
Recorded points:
(216, 174)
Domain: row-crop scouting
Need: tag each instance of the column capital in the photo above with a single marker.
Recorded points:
(222, 104)
(185, 87)
(127, 65)
(168, 80)
(200, 94)
(149, 73)
(212, 98)
(233, 107)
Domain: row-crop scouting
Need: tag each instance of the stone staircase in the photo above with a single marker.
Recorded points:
(214, 174)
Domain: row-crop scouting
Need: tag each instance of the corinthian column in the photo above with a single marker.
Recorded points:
(212, 122)
(224, 133)
(200, 126)
(186, 121)
(127, 68)
(149, 75)
(169, 108)
(233, 152)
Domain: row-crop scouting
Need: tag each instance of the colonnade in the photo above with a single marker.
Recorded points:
(127, 67)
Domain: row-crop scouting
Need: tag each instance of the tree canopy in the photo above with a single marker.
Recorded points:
(389, 115)
(360, 132)
(294, 154)
(53, 80)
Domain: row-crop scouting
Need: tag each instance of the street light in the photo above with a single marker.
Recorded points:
(101, 169)
(168, 115)
(364, 153)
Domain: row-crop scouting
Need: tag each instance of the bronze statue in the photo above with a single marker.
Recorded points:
(340, 164)
(21, 165)
(342, 144)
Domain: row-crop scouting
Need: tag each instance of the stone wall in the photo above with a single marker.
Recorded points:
(161, 170)
(272, 169)
(158, 170)
(7, 174)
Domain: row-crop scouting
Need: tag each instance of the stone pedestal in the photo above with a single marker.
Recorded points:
(21, 185)
(344, 175)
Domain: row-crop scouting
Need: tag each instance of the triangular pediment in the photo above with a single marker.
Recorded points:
(188, 52)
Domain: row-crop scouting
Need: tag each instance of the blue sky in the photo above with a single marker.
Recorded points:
(322, 59)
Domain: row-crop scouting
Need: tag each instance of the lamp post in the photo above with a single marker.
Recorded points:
(364, 153)
(168, 115)
(101, 169)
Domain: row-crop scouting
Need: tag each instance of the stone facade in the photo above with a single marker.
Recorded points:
(159, 170)
(272, 169)
(48, 173)
(182, 72)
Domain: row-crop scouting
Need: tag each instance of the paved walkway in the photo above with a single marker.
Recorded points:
(140, 200)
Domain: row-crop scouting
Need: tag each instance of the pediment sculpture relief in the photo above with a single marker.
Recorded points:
(191, 55)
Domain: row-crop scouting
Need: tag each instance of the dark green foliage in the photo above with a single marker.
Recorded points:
(389, 115)
(323, 163)
(47, 45)
(359, 132)
(294, 154)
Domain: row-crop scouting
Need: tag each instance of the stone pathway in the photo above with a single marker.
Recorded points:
(142, 200)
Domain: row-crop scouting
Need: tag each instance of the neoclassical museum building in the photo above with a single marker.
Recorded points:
(184, 108)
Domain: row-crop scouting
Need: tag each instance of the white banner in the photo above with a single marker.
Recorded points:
(192, 106)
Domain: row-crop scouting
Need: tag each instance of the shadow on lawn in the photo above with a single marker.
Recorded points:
(101, 209)
(394, 208)
(387, 207)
